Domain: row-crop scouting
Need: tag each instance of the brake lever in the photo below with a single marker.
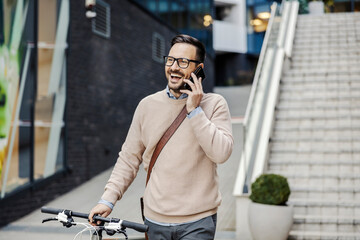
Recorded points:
(121, 231)
(64, 218)
(125, 234)
(49, 219)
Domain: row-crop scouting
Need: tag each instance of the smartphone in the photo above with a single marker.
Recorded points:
(199, 72)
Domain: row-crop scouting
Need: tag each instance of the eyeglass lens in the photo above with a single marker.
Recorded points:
(182, 62)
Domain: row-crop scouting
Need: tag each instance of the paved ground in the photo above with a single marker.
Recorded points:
(84, 197)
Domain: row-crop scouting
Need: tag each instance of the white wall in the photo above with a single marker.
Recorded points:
(230, 34)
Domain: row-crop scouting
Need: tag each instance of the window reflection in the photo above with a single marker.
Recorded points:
(184, 15)
(31, 132)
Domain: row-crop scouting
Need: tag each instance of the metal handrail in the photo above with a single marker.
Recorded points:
(263, 70)
(274, 7)
(259, 66)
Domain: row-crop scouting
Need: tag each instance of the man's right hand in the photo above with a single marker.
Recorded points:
(100, 209)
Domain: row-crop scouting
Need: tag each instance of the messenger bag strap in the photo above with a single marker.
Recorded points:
(164, 139)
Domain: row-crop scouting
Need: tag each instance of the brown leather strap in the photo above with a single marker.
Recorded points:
(164, 139)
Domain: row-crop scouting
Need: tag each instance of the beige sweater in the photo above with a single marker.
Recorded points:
(184, 183)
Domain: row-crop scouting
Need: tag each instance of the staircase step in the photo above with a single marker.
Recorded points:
(306, 168)
(328, 20)
(321, 124)
(346, 85)
(353, 96)
(316, 147)
(326, 64)
(321, 89)
(316, 156)
(320, 235)
(317, 46)
(326, 219)
(328, 59)
(316, 135)
(325, 223)
(331, 30)
(318, 113)
(320, 77)
(308, 39)
(335, 195)
(335, 51)
(321, 207)
(319, 104)
(310, 162)
(325, 203)
(318, 175)
(323, 71)
(325, 189)
(348, 35)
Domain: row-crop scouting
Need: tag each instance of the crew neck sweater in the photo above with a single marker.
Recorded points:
(183, 185)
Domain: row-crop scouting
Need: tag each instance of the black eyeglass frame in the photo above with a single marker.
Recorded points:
(177, 61)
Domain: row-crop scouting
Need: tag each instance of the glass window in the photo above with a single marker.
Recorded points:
(178, 15)
(164, 10)
(31, 132)
(187, 16)
(44, 102)
(13, 170)
(50, 98)
(152, 5)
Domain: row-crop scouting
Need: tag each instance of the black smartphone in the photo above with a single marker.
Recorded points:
(199, 72)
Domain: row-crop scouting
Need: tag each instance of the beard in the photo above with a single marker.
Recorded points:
(175, 86)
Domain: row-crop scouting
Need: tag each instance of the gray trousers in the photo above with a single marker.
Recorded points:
(204, 229)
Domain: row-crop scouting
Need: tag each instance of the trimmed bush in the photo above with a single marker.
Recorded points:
(270, 189)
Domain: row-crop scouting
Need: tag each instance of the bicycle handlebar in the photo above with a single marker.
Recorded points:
(127, 224)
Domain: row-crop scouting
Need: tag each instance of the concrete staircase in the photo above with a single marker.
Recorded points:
(316, 138)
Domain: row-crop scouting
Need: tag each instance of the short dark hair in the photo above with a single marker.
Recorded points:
(200, 49)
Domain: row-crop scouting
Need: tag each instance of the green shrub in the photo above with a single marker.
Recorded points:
(270, 189)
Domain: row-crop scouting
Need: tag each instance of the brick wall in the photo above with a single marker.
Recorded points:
(106, 80)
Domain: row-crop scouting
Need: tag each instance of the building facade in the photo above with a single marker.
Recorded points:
(71, 85)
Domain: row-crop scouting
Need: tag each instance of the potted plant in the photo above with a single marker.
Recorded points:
(269, 216)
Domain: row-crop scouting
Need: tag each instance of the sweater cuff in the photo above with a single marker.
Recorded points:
(107, 203)
(195, 112)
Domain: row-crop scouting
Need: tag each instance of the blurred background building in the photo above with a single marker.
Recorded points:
(73, 72)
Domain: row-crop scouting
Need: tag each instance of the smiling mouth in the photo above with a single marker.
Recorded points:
(176, 77)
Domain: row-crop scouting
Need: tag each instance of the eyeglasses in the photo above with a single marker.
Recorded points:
(182, 62)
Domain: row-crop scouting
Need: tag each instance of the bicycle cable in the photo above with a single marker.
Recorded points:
(88, 227)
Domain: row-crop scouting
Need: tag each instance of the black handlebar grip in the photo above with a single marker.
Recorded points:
(103, 219)
(51, 210)
(136, 226)
(80, 215)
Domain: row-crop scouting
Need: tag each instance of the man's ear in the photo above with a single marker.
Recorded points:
(201, 64)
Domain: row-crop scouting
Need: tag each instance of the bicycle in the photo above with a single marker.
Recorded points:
(114, 225)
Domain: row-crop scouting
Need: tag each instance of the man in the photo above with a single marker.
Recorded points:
(182, 195)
